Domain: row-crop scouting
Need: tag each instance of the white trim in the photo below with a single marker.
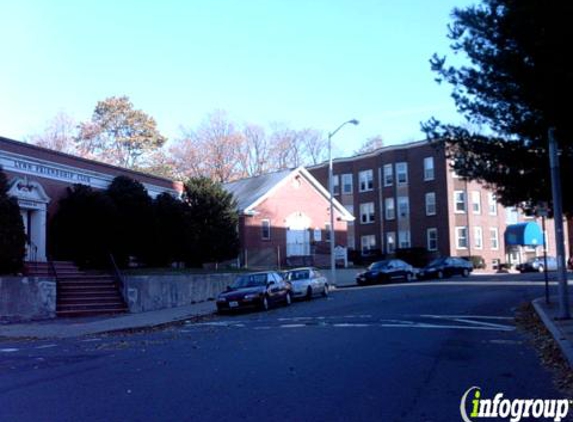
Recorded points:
(428, 231)
(345, 215)
(23, 164)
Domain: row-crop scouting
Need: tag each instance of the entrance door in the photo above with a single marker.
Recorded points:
(298, 242)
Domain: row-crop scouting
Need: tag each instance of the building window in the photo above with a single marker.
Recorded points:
(367, 213)
(347, 183)
(388, 175)
(461, 237)
(389, 209)
(492, 203)
(478, 238)
(403, 207)
(336, 185)
(390, 242)
(402, 173)
(366, 180)
(494, 238)
(404, 238)
(350, 209)
(266, 229)
(367, 243)
(429, 168)
(432, 239)
(430, 203)
(459, 201)
(511, 215)
(476, 202)
(327, 232)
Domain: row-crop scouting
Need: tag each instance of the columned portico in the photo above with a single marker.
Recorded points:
(33, 202)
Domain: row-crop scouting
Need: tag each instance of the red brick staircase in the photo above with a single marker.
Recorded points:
(80, 293)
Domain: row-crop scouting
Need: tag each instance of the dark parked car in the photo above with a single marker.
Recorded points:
(537, 264)
(446, 267)
(255, 290)
(385, 272)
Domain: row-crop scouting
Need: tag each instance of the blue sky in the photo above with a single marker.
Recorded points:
(313, 63)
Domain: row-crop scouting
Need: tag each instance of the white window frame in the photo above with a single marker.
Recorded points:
(404, 239)
(478, 237)
(458, 202)
(402, 173)
(491, 203)
(459, 237)
(367, 213)
(430, 203)
(429, 172)
(389, 208)
(367, 243)
(432, 239)
(336, 184)
(265, 225)
(366, 181)
(347, 180)
(494, 238)
(511, 215)
(388, 175)
(403, 207)
(476, 202)
(390, 242)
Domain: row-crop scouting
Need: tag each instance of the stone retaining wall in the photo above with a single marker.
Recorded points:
(27, 298)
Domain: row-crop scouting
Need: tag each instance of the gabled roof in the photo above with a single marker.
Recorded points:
(252, 191)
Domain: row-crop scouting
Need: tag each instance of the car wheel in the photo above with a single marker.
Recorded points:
(409, 276)
(265, 304)
(325, 291)
(308, 293)
(465, 272)
(288, 299)
(540, 268)
(440, 274)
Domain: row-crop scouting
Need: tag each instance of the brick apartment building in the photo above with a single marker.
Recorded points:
(406, 196)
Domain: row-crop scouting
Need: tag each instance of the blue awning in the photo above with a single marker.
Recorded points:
(523, 234)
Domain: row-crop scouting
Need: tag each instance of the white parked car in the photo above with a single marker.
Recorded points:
(306, 282)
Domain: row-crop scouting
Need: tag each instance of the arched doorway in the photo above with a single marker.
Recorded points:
(33, 202)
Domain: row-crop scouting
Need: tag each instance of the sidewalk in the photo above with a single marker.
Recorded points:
(77, 327)
(561, 330)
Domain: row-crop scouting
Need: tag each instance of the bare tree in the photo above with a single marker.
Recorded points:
(255, 151)
(314, 145)
(214, 147)
(58, 135)
(371, 144)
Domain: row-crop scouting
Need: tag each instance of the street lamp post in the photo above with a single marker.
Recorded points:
(331, 200)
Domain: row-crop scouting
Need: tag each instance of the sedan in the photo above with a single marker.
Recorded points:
(537, 264)
(255, 290)
(307, 282)
(386, 271)
(446, 267)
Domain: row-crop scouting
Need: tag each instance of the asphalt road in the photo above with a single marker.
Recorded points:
(381, 353)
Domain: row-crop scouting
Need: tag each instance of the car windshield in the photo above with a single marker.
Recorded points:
(378, 265)
(298, 275)
(436, 262)
(250, 280)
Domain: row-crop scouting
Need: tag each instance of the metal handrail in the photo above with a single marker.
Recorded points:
(117, 275)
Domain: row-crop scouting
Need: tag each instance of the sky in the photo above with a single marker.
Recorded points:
(311, 63)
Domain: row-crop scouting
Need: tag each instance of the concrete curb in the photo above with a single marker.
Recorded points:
(564, 344)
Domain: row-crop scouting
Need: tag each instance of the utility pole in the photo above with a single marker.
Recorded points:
(558, 216)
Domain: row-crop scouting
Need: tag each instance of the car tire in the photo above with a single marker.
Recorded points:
(308, 293)
(440, 274)
(540, 268)
(465, 272)
(325, 291)
(265, 305)
(288, 299)
(409, 277)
